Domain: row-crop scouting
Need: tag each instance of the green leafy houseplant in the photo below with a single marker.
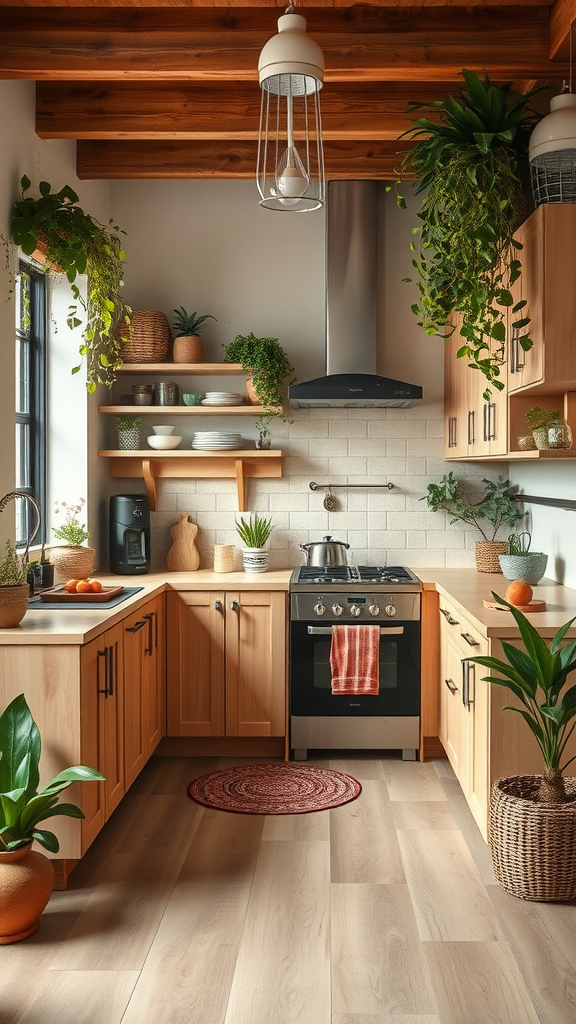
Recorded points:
(538, 419)
(76, 243)
(186, 324)
(128, 422)
(267, 364)
(493, 510)
(22, 807)
(72, 530)
(538, 676)
(471, 165)
(12, 571)
(254, 532)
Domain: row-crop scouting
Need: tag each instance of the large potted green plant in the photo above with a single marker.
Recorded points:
(13, 588)
(269, 372)
(73, 242)
(494, 509)
(471, 165)
(73, 559)
(27, 877)
(188, 346)
(532, 831)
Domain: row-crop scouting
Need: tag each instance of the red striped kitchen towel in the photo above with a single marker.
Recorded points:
(354, 659)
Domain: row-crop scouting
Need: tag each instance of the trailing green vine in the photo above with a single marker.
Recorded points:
(76, 243)
(471, 164)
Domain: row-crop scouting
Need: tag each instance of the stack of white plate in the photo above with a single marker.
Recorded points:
(215, 440)
(223, 398)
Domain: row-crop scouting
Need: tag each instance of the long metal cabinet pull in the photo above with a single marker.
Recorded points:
(104, 654)
(486, 422)
(471, 438)
(467, 700)
(327, 630)
(111, 680)
(492, 418)
(149, 616)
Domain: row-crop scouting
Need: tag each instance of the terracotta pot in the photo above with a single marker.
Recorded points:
(188, 348)
(13, 605)
(72, 561)
(26, 882)
(487, 552)
(252, 396)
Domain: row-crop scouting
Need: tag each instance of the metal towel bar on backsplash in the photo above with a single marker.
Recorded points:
(332, 487)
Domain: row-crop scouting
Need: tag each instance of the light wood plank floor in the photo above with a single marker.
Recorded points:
(383, 911)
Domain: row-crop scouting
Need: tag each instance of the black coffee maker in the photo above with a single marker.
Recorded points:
(129, 534)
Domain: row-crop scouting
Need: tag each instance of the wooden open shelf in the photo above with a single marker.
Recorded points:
(548, 453)
(184, 410)
(151, 466)
(197, 369)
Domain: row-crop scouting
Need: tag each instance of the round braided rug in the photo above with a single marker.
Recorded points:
(274, 789)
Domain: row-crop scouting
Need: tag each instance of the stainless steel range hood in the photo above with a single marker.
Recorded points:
(351, 378)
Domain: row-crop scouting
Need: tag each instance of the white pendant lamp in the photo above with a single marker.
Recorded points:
(290, 171)
(552, 150)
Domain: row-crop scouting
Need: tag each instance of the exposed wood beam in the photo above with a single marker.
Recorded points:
(102, 159)
(562, 15)
(278, 5)
(359, 44)
(134, 110)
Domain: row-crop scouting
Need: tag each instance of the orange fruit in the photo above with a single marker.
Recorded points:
(95, 586)
(70, 586)
(518, 593)
(82, 587)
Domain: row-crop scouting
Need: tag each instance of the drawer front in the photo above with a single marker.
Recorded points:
(465, 636)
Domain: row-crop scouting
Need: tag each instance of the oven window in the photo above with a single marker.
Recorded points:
(322, 679)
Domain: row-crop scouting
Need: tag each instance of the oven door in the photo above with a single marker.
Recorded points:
(310, 678)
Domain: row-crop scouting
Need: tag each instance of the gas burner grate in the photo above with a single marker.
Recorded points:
(385, 574)
(328, 574)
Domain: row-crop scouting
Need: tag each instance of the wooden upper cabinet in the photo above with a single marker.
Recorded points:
(455, 397)
(527, 368)
(473, 425)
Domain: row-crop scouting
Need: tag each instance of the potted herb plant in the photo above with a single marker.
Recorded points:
(188, 347)
(254, 534)
(27, 877)
(494, 509)
(471, 165)
(13, 588)
(519, 563)
(268, 369)
(72, 242)
(532, 832)
(128, 428)
(74, 560)
(537, 422)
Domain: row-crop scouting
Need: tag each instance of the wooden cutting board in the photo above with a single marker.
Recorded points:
(183, 555)
(534, 606)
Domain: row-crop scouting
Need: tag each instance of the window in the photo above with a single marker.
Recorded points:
(30, 398)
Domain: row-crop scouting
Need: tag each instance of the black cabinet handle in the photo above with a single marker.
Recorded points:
(110, 652)
(104, 654)
(151, 645)
(448, 617)
(137, 626)
(218, 607)
(234, 606)
(451, 685)
(470, 640)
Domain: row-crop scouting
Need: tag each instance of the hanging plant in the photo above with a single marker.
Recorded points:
(76, 243)
(269, 369)
(471, 164)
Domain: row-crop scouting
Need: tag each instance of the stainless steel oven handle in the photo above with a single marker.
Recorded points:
(327, 630)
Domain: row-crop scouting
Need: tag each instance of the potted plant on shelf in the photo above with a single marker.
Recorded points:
(254, 534)
(269, 372)
(128, 428)
(69, 241)
(188, 347)
(13, 588)
(27, 877)
(519, 563)
(537, 421)
(532, 832)
(74, 560)
(471, 164)
(495, 507)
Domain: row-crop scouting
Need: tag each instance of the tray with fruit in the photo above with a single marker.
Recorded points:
(90, 591)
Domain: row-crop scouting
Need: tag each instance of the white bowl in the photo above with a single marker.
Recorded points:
(163, 441)
(163, 431)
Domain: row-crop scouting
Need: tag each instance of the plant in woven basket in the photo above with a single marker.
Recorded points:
(268, 366)
(471, 163)
(12, 570)
(186, 324)
(72, 530)
(75, 244)
(538, 676)
(493, 510)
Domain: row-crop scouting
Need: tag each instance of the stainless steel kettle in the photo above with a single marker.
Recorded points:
(326, 552)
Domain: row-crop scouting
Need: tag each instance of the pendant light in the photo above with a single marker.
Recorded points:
(290, 172)
(552, 150)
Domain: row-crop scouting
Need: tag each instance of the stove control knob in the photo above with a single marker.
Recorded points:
(390, 609)
(319, 609)
(355, 610)
(337, 609)
(374, 609)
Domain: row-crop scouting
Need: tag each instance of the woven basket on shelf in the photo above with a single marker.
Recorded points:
(533, 844)
(487, 552)
(150, 338)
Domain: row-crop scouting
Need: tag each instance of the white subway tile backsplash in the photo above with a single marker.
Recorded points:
(347, 428)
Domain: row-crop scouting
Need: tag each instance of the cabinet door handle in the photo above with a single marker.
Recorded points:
(234, 606)
(513, 368)
(491, 418)
(218, 607)
(104, 654)
(448, 617)
(470, 640)
(451, 685)
(137, 626)
(111, 680)
(471, 439)
(519, 349)
(486, 422)
(467, 700)
(149, 616)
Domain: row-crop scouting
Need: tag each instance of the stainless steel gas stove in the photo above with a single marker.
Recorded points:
(321, 597)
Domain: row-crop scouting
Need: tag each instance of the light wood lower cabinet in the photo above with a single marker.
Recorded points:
(226, 663)
(144, 686)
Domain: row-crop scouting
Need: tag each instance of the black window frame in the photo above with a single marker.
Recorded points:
(32, 357)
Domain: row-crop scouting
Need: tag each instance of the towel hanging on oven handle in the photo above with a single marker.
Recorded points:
(327, 630)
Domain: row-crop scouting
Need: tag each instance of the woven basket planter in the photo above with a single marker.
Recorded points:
(487, 552)
(13, 605)
(533, 844)
(150, 338)
(72, 562)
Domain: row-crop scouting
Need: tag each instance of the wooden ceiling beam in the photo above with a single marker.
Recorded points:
(562, 15)
(177, 159)
(277, 5)
(359, 44)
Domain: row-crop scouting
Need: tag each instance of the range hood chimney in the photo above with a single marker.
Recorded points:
(351, 379)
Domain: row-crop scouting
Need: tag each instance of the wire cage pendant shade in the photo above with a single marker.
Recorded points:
(552, 149)
(290, 166)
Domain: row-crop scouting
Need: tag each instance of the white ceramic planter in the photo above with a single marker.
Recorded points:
(255, 559)
(529, 567)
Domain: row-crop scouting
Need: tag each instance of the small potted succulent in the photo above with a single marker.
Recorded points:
(188, 347)
(128, 428)
(74, 560)
(537, 422)
(519, 563)
(254, 533)
(13, 588)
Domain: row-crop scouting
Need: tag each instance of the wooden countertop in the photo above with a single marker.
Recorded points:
(56, 624)
(466, 588)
